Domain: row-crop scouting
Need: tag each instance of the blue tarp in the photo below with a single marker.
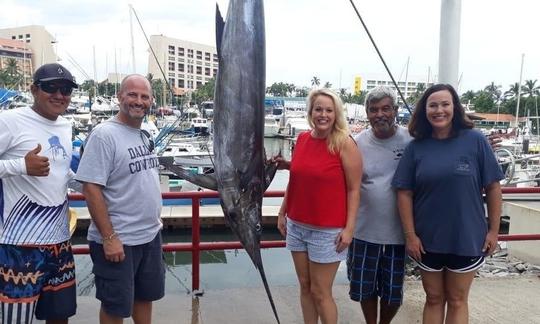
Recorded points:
(5, 94)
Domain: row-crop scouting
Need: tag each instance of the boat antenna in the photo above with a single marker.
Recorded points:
(380, 56)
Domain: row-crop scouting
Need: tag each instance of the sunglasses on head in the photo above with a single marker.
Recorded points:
(50, 87)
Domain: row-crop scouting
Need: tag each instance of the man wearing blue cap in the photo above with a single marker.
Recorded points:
(35, 252)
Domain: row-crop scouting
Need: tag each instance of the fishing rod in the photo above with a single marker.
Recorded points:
(381, 57)
(152, 50)
(178, 104)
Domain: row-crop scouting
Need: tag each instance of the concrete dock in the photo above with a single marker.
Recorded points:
(180, 216)
(492, 300)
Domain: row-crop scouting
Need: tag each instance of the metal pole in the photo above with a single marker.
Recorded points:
(196, 240)
(449, 42)
(519, 90)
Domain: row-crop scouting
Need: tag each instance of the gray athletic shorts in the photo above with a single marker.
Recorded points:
(319, 243)
(141, 276)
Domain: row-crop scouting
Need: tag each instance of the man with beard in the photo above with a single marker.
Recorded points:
(376, 259)
(119, 171)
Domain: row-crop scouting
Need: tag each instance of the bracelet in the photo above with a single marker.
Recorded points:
(407, 232)
(110, 237)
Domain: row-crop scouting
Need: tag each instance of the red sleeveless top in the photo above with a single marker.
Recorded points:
(317, 193)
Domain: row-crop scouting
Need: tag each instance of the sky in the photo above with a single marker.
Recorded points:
(304, 38)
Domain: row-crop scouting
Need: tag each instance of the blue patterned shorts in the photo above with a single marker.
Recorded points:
(376, 270)
(38, 279)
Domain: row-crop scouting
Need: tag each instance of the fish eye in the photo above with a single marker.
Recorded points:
(258, 227)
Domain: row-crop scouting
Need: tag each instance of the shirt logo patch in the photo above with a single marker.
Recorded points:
(463, 166)
(56, 148)
(398, 152)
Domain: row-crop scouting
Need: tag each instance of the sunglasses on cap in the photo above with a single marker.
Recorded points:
(51, 87)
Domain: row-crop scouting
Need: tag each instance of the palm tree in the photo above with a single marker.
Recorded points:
(494, 90)
(512, 92)
(11, 77)
(301, 91)
(468, 96)
(315, 82)
(531, 89)
(415, 96)
(328, 85)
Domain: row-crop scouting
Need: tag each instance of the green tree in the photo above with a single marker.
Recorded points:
(468, 96)
(494, 91)
(157, 90)
(415, 96)
(328, 85)
(512, 92)
(301, 91)
(483, 102)
(530, 89)
(278, 89)
(11, 77)
(205, 92)
(315, 82)
(88, 86)
(106, 88)
(359, 98)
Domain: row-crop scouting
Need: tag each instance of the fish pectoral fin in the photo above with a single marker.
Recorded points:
(220, 26)
(269, 173)
(207, 181)
(270, 169)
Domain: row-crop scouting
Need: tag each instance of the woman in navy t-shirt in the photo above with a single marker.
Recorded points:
(439, 182)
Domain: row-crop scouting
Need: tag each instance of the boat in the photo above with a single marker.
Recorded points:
(272, 127)
(295, 124)
(188, 155)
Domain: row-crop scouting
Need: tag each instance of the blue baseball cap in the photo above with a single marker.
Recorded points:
(54, 71)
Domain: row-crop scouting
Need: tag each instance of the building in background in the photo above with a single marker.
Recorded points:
(407, 87)
(187, 65)
(22, 54)
(39, 41)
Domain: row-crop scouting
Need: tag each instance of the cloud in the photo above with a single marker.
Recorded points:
(304, 38)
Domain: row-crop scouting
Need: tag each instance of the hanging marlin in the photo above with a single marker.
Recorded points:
(241, 174)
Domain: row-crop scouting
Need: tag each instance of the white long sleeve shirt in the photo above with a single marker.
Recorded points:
(33, 210)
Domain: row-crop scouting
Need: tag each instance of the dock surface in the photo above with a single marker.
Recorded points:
(492, 300)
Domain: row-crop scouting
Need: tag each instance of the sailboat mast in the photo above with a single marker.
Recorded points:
(407, 78)
(132, 40)
(519, 90)
(115, 73)
(95, 73)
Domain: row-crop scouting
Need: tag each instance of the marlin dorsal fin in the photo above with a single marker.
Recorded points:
(220, 26)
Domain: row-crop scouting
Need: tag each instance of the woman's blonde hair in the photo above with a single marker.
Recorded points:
(340, 130)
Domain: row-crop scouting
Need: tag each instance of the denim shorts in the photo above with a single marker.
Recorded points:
(319, 243)
(140, 276)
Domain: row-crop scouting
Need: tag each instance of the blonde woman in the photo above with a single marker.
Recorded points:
(319, 209)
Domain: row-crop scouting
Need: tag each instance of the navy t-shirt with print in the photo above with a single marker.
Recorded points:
(447, 177)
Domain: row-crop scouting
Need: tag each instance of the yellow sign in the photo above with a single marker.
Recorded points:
(357, 85)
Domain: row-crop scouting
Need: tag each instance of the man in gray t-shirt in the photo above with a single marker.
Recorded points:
(376, 260)
(119, 172)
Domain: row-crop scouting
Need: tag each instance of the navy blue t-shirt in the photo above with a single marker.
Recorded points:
(447, 177)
